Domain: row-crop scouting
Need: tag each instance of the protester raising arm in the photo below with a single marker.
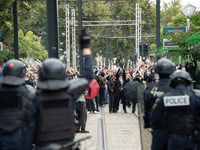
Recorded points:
(87, 67)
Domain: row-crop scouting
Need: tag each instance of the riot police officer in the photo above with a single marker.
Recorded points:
(181, 108)
(163, 67)
(56, 98)
(16, 108)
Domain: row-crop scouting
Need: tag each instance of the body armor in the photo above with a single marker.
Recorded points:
(179, 117)
(15, 107)
(55, 120)
(156, 95)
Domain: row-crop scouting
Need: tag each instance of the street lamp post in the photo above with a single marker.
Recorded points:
(80, 28)
(16, 55)
(52, 28)
(157, 24)
(106, 49)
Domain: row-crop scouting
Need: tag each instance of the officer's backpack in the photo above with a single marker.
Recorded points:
(55, 120)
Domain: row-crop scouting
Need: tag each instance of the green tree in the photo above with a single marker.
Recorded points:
(178, 20)
(187, 41)
(169, 10)
(29, 46)
(152, 47)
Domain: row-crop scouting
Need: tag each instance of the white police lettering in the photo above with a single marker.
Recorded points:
(170, 101)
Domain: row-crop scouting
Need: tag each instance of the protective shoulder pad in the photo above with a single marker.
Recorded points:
(77, 86)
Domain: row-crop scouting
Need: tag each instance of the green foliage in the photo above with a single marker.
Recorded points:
(32, 21)
(187, 42)
(152, 47)
(169, 10)
(178, 20)
(5, 13)
(5, 55)
(28, 45)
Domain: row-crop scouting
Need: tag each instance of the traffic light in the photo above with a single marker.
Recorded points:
(140, 48)
(146, 49)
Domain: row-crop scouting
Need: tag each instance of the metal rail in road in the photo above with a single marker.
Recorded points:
(102, 139)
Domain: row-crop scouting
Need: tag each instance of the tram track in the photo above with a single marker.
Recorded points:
(102, 139)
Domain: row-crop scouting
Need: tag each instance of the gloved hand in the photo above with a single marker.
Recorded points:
(84, 39)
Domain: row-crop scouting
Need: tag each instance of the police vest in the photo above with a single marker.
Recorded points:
(178, 113)
(15, 107)
(157, 93)
(55, 120)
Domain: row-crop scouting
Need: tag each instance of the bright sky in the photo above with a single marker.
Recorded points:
(195, 3)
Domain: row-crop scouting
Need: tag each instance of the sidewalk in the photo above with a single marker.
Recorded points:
(122, 131)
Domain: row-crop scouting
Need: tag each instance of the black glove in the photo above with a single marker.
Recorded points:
(84, 39)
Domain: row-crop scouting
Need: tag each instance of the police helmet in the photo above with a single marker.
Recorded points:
(180, 76)
(13, 73)
(52, 75)
(164, 66)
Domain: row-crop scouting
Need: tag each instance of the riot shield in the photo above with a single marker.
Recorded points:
(145, 134)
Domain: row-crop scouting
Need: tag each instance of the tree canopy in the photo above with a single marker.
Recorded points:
(32, 25)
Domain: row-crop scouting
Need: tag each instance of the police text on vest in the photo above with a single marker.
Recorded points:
(176, 100)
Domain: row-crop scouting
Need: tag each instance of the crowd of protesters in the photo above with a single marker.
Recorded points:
(111, 83)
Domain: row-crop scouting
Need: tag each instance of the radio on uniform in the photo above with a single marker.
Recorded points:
(170, 101)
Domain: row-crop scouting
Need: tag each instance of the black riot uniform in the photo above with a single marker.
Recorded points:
(56, 96)
(181, 109)
(55, 119)
(164, 67)
(16, 108)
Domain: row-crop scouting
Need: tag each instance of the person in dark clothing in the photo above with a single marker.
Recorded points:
(102, 82)
(120, 83)
(191, 68)
(81, 113)
(111, 87)
(57, 99)
(17, 111)
(181, 109)
(90, 105)
(164, 67)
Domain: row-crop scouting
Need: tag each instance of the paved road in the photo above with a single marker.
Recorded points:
(122, 131)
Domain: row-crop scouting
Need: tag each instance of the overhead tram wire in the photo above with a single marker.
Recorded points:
(125, 37)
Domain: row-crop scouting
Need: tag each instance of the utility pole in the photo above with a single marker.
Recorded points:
(110, 40)
(138, 29)
(52, 28)
(73, 39)
(106, 49)
(67, 37)
(110, 54)
(16, 55)
(158, 24)
(80, 28)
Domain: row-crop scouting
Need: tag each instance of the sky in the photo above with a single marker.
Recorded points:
(195, 3)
